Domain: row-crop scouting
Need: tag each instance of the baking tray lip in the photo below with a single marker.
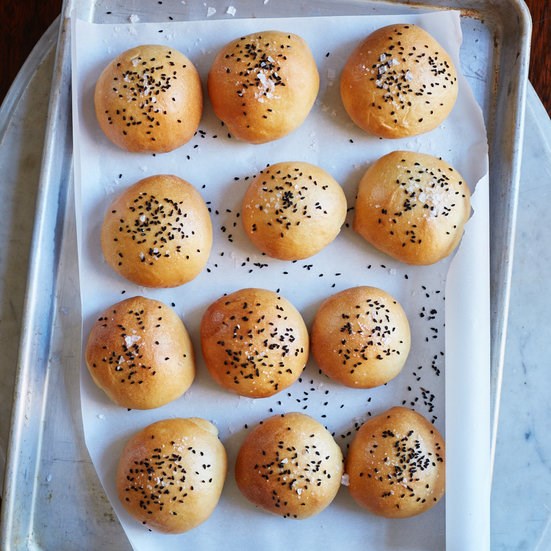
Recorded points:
(34, 295)
(30, 314)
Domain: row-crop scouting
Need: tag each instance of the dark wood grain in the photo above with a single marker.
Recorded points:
(24, 22)
(540, 58)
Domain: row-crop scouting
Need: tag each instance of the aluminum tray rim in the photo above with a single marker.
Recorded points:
(52, 196)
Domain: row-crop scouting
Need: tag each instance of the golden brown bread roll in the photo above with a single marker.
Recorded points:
(158, 232)
(290, 465)
(292, 210)
(171, 474)
(399, 82)
(140, 354)
(361, 337)
(412, 206)
(263, 85)
(396, 464)
(149, 99)
(255, 342)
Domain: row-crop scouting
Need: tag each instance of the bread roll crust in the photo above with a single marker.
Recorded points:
(289, 465)
(158, 232)
(149, 99)
(140, 354)
(255, 342)
(171, 474)
(399, 82)
(263, 85)
(361, 337)
(292, 210)
(396, 464)
(412, 206)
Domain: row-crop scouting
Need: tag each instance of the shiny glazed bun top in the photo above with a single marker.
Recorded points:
(149, 99)
(361, 337)
(290, 465)
(399, 82)
(263, 85)
(158, 232)
(254, 341)
(412, 206)
(292, 210)
(140, 354)
(171, 474)
(396, 464)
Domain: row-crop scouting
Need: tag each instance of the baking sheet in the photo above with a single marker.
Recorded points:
(330, 140)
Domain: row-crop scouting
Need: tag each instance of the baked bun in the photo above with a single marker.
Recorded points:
(412, 207)
(158, 232)
(171, 474)
(293, 210)
(263, 85)
(361, 337)
(140, 354)
(396, 464)
(255, 342)
(399, 82)
(149, 99)
(290, 465)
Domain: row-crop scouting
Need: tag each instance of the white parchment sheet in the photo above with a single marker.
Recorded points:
(446, 377)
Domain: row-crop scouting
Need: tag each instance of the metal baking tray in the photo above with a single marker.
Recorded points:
(52, 496)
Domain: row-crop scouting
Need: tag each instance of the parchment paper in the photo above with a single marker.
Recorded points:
(446, 377)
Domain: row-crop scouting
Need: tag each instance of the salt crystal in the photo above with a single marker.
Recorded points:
(345, 479)
(211, 11)
(133, 18)
(231, 10)
(49, 478)
(129, 340)
(100, 416)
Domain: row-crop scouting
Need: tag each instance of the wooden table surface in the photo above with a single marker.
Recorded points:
(24, 22)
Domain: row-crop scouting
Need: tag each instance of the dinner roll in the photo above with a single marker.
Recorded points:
(396, 464)
(158, 232)
(263, 85)
(412, 207)
(255, 342)
(140, 354)
(361, 337)
(293, 210)
(399, 82)
(149, 99)
(171, 474)
(289, 465)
